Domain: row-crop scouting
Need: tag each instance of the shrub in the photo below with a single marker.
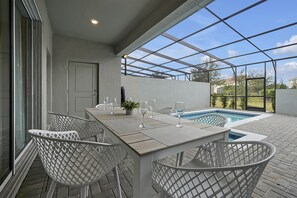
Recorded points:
(242, 103)
(224, 101)
(214, 100)
(273, 103)
(232, 104)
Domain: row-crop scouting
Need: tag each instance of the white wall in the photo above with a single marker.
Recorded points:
(71, 49)
(286, 101)
(47, 45)
(166, 92)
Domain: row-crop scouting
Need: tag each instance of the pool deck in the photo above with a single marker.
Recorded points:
(278, 180)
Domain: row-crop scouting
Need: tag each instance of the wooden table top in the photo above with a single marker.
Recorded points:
(160, 132)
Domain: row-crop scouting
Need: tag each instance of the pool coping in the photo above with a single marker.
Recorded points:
(248, 136)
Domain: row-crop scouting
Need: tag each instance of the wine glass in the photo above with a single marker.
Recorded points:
(114, 103)
(152, 105)
(105, 101)
(142, 110)
(179, 109)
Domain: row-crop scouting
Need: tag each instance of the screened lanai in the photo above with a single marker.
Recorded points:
(244, 49)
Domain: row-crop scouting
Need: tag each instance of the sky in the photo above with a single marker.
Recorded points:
(268, 15)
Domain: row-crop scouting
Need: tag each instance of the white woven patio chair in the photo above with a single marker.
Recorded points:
(166, 110)
(212, 119)
(86, 128)
(72, 162)
(219, 169)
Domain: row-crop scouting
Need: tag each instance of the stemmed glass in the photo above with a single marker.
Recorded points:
(179, 109)
(152, 105)
(142, 110)
(105, 101)
(114, 103)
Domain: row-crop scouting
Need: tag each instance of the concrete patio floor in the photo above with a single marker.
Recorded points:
(278, 180)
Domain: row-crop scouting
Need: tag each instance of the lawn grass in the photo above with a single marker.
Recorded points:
(255, 102)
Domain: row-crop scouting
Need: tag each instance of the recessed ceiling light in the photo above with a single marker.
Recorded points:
(94, 21)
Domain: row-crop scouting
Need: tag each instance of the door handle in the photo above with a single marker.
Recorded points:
(94, 94)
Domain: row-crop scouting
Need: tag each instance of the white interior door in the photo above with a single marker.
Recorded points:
(82, 87)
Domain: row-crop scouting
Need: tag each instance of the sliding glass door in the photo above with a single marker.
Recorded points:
(23, 77)
(5, 92)
(20, 91)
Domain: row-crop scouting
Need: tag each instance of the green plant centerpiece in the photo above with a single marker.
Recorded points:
(129, 105)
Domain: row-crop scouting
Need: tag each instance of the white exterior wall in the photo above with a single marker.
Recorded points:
(286, 101)
(70, 49)
(166, 92)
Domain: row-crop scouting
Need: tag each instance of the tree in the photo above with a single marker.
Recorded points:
(158, 74)
(203, 75)
(241, 83)
(281, 85)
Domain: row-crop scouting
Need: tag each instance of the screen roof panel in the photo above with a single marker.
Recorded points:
(212, 37)
(155, 59)
(277, 38)
(157, 43)
(224, 8)
(253, 58)
(142, 64)
(177, 51)
(191, 24)
(138, 54)
(266, 16)
(205, 36)
(236, 49)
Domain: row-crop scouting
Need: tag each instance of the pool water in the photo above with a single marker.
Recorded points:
(234, 136)
(231, 116)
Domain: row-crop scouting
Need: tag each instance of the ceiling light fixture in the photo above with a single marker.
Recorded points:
(94, 21)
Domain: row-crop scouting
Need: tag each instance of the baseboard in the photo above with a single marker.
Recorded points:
(21, 170)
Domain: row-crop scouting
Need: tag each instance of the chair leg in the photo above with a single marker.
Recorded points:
(117, 178)
(51, 189)
(181, 158)
(176, 160)
(84, 192)
(88, 188)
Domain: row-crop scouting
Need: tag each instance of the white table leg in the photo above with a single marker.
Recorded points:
(142, 181)
(226, 137)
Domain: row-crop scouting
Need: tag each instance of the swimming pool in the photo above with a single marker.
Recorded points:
(234, 118)
(230, 115)
(234, 136)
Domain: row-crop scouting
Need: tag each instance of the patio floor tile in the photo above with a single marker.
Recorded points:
(278, 180)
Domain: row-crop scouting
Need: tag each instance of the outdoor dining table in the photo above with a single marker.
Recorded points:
(159, 138)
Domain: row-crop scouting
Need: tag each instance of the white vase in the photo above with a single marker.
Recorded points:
(129, 112)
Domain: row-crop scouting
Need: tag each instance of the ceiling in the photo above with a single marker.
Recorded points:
(117, 18)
